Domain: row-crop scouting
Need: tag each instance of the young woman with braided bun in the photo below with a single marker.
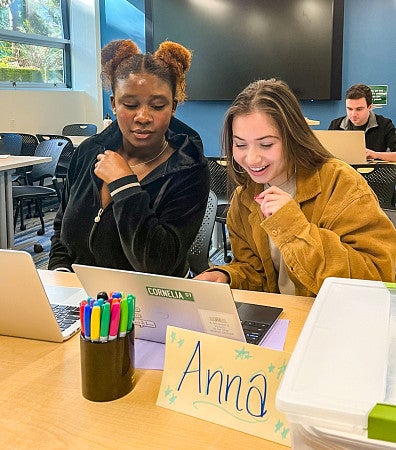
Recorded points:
(136, 193)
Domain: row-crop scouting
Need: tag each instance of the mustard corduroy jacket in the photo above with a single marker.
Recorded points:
(333, 228)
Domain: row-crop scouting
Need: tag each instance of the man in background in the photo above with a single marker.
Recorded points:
(380, 132)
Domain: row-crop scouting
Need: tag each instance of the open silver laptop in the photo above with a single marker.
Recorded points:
(28, 308)
(186, 303)
(347, 145)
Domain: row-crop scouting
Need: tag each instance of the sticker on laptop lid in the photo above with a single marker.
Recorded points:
(169, 293)
(220, 324)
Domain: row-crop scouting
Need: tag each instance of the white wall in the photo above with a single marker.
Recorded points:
(47, 111)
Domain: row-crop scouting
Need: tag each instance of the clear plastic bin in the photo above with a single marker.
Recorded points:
(343, 364)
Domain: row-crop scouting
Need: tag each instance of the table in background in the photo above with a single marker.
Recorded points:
(41, 404)
(7, 166)
(76, 140)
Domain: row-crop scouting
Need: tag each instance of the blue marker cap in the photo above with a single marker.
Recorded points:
(87, 320)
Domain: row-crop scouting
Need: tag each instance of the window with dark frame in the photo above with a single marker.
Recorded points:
(34, 44)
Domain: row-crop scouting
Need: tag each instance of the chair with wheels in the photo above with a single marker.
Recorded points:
(10, 144)
(220, 186)
(79, 129)
(45, 137)
(64, 160)
(221, 218)
(29, 144)
(40, 172)
(382, 180)
(198, 254)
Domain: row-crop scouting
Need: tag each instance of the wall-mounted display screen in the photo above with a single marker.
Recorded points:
(235, 42)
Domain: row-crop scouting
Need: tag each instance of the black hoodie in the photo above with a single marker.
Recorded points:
(148, 226)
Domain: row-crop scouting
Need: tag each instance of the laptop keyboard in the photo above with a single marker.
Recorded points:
(66, 315)
(254, 331)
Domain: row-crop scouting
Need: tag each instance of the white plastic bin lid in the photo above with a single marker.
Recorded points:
(338, 369)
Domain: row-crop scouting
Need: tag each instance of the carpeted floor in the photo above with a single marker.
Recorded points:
(25, 240)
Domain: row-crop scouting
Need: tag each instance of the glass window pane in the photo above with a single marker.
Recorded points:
(42, 17)
(30, 63)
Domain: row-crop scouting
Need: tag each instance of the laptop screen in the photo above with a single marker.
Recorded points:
(349, 146)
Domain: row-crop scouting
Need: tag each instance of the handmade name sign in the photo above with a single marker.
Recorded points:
(224, 381)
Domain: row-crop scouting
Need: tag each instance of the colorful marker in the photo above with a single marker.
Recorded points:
(95, 323)
(131, 311)
(105, 322)
(123, 318)
(87, 321)
(82, 305)
(114, 321)
(102, 295)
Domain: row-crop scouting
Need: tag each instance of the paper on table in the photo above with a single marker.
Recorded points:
(151, 355)
(276, 337)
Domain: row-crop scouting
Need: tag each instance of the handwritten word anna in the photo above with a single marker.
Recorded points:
(247, 394)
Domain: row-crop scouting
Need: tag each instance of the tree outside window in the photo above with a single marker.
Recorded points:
(34, 45)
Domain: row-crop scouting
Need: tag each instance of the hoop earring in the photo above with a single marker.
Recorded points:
(235, 169)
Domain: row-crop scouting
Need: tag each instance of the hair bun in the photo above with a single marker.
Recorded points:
(112, 54)
(124, 48)
(178, 58)
(115, 51)
(172, 52)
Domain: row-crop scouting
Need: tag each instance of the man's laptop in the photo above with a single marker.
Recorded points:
(29, 308)
(347, 145)
(186, 303)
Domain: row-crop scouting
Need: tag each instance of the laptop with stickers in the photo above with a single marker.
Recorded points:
(186, 303)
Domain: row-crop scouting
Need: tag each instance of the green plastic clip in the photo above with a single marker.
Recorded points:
(382, 422)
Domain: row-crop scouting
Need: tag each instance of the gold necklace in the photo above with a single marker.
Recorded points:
(163, 148)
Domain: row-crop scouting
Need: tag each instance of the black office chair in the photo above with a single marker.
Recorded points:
(221, 218)
(29, 144)
(382, 180)
(10, 144)
(39, 173)
(220, 186)
(65, 158)
(79, 129)
(198, 254)
(46, 137)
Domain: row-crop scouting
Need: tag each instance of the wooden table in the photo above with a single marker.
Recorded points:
(7, 166)
(41, 404)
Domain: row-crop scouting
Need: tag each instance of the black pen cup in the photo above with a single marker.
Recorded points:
(107, 368)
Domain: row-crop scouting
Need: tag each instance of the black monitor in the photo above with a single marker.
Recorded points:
(235, 42)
